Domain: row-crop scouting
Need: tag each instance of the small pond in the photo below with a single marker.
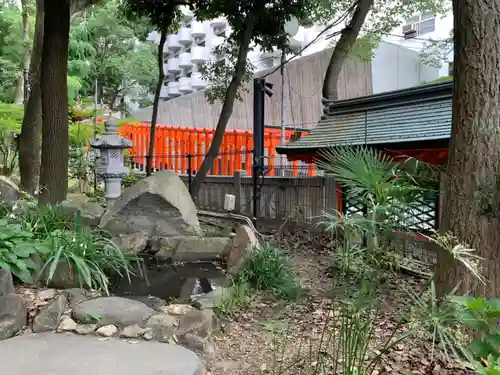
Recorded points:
(170, 281)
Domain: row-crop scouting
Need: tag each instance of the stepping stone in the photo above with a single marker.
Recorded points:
(84, 355)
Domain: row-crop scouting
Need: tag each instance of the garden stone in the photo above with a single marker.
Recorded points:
(193, 248)
(6, 283)
(155, 303)
(133, 332)
(161, 327)
(178, 309)
(203, 346)
(117, 311)
(48, 318)
(134, 242)
(244, 243)
(67, 325)
(46, 294)
(76, 295)
(64, 276)
(85, 329)
(201, 323)
(53, 354)
(13, 315)
(107, 331)
(90, 212)
(159, 204)
(9, 192)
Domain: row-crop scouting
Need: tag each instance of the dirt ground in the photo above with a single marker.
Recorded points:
(246, 345)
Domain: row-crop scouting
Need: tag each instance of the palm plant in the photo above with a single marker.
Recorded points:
(387, 188)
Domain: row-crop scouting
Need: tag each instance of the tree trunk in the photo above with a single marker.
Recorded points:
(227, 108)
(340, 52)
(54, 169)
(156, 102)
(30, 139)
(27, 49)
(472, 198)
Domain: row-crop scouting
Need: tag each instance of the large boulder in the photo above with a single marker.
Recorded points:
(90, 212)
(159, 205)
(116, 311)
(9, 192)
(13, 315)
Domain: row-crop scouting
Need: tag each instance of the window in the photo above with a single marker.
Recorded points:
(418, 25)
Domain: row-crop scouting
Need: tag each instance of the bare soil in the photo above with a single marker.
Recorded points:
(272, 335)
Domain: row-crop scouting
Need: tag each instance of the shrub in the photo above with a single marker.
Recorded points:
(270, 270)
(44, 220)
(89, 254)
(17, 246)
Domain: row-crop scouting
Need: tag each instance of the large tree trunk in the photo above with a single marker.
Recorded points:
(340, 52)
(227, 108)
(27, 48)
(30, 139)
(54, 169)
(156, 102)
(472, 198)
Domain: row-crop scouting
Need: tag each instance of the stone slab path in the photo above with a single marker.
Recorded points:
(63, 354)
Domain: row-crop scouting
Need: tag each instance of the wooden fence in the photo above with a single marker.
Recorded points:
(296, 199)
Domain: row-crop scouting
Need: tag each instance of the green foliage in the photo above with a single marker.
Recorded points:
(90, 254)
(237, 297)
(215, 71)
(11, 117)
(482, 315)
(440, 79)
(17, 247)
(43, 220)
(112, 49)
(80, 134)
(131, 179)
(11, 49)
(269, 270)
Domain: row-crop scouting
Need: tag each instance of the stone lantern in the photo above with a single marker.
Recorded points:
(111, 169)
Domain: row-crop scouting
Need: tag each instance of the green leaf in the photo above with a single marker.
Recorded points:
(481, 349)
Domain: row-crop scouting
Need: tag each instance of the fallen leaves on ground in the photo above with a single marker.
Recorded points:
(266, 338)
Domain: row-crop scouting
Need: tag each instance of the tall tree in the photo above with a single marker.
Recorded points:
(260, 22)
(472, 199)
(371, 19)
(30, 139)
(164, 17)
(54, 160)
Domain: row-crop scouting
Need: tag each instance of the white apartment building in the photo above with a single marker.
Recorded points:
(195, 41)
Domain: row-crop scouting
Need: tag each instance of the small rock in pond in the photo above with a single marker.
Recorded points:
(6, 283)
(107, 331)
(48, 318)
(13, 315)
(178, 310)
(66, 325)
(85, 329)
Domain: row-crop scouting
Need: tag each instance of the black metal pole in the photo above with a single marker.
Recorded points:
(258, 141)
(190, 178)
